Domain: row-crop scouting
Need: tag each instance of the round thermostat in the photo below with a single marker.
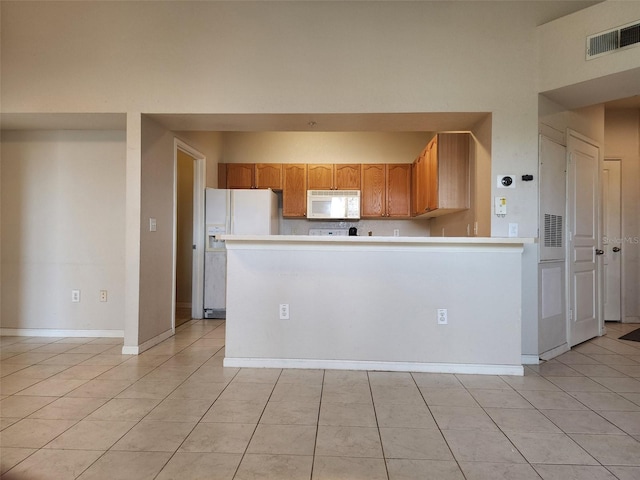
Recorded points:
(506, 181)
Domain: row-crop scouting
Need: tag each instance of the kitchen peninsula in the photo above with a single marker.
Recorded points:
(371, 303)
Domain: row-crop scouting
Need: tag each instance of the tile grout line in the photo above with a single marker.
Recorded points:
(375, 413)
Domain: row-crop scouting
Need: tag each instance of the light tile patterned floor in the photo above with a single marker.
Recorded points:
(76, 408)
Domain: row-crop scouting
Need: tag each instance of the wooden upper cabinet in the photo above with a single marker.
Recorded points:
(372, 196)
(398, 177)
(339, 176)
(386, 190)
(347, 176)
(250, 175)
(240, 175)
(320, 176)
(419, 192)
(294, 190)
(442, 183)
(268, 175)
(433, 183)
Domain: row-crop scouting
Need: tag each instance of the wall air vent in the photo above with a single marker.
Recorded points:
(552, 230)
(613, 40)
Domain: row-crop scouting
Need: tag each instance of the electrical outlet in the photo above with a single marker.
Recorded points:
(103, 295)
(513, 229)
(284, 311)
(442, 316)
(396, 232)
(75, 296)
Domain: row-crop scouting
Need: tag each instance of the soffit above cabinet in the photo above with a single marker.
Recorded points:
(325, 122)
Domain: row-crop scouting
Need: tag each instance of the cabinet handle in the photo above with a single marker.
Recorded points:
(616, 249)
(599, 252)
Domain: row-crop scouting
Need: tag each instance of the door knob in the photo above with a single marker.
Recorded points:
(599, 252)
(616, 249)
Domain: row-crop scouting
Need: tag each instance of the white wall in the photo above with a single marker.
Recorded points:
(323, 147)
(156, 248)
(63, 210)
(622, 140)
(563, 48)
(380, 308)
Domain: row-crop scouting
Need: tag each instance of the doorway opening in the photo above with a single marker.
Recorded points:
(189, 169)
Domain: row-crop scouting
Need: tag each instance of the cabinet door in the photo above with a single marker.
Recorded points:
(453, 170)
(421, 192)
(414, 187)
(294, 190)
(320, 176)
(372, 196)
(347, 176)
(269, 175)
(240, 175)
(399, 190)
(432, 176)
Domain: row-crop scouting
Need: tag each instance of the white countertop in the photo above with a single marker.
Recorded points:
(379, 240)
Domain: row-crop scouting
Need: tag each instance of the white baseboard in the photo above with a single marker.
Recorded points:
(377, 366)
(129, 350)
(51, 332)
(554, 352)
(530, 359)
(631, 320)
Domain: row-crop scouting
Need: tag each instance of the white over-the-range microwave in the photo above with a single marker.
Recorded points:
(333, 204)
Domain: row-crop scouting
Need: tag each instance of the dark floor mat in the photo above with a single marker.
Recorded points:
(633, 336)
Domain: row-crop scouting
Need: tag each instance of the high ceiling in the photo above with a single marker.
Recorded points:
(542, 12)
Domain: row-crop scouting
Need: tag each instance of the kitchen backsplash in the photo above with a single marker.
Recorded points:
(406, 228)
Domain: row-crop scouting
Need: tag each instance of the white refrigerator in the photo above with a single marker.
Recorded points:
(235, 212)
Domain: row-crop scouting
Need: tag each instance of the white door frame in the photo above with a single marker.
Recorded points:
(571, 188)
(199, 183)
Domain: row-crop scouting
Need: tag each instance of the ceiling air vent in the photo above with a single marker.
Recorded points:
(613, 40)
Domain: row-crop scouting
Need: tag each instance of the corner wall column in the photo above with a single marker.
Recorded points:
(132, 233)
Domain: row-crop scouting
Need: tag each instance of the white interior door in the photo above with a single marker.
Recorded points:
(583, 236)
(611, 240)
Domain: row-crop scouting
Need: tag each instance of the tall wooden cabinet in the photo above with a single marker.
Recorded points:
(442, 176)
(294, 190)
(386, 191)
